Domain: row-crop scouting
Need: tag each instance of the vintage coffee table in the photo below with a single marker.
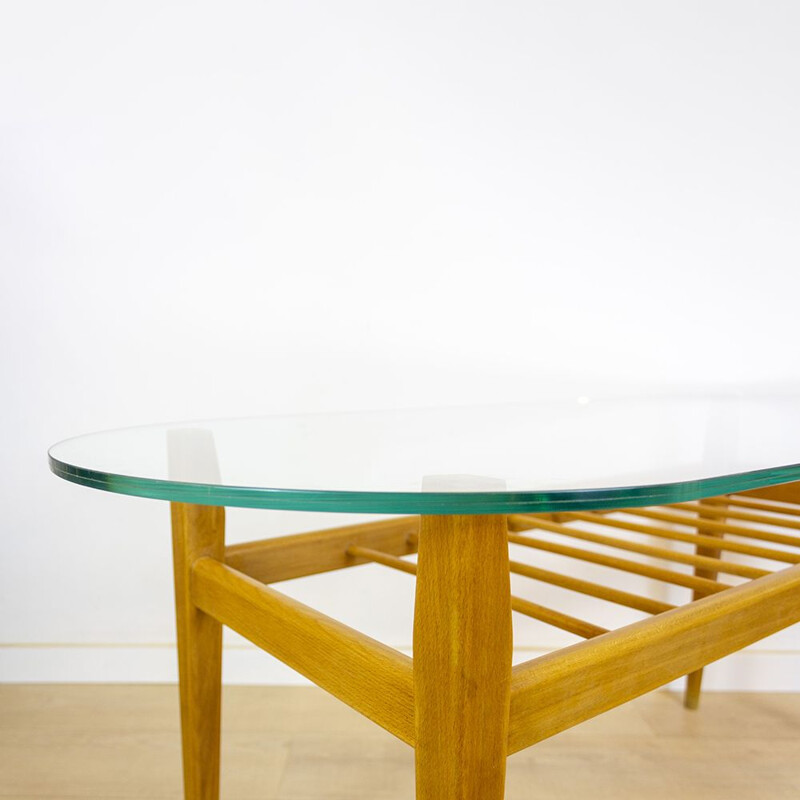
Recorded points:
(550, 477)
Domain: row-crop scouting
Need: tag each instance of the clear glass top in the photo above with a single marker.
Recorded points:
(554, 455)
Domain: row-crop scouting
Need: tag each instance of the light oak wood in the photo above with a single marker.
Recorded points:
(622, 598)
(462, 658)
(691, 538)
(548, 615)
(783, 493)
(719, 510)
(694, 680)
(198, 532)
(702, 586)
(367, 675)
(761, 505)
(101, 741)
(524, 522)
(709, 527)
(286, 557)
(556, 691)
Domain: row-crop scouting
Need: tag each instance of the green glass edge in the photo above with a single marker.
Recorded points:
(424, 502)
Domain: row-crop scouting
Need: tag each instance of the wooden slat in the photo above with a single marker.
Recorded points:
(286, 557)
(711, 526)
(783, 493)
(646, 604)
(558, 690)
(566, 622)
(691, 538)
(548, 615)
(701, 585)
(367, 675)
(761, 519)
(520, 522)
(763, 505)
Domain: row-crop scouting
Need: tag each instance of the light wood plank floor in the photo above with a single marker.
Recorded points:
(281, 743)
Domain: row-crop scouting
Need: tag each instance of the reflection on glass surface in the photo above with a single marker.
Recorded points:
(553, 455)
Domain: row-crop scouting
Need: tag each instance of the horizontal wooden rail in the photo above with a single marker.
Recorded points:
(556, 691)
(367, 675)
(703, 586)
(762, 505)
(646, 604)
(718, 527)
(713, 542)
(524, 522)
(548, 615)
(297, 555)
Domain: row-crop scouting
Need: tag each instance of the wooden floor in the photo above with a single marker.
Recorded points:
(79, 741)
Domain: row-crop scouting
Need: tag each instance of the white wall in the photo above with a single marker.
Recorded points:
(222, 209)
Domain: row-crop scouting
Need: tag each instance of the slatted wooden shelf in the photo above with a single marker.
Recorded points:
(582, 527)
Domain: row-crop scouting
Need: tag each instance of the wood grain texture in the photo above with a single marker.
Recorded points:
(462, 657)
(101, 741)
(286, 557)
(367, 675)
(561, 689)
(198, 532)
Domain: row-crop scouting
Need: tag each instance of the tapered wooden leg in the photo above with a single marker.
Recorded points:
(198, 531)
(462, 658)
(694, 680)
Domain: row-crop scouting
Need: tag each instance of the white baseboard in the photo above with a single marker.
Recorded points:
(749, 670)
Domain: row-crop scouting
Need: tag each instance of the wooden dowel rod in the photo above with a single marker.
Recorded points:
(368, 554)
(717, 527)
(691, 538)
(300, 554)
(520, 522)
(617, 596)
(764, 505)
(555, 618)
(701, 585)
(761, 519)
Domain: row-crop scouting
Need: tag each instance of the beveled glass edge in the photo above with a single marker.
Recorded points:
(355, 502)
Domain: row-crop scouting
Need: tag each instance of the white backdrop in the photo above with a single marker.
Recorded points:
(222, 209)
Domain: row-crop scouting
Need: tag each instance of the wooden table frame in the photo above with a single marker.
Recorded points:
(459, 702)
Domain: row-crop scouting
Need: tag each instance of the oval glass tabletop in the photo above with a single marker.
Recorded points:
(555, 455)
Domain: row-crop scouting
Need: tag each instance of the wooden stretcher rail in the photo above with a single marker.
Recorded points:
(523, 522)
(367, 675)
(556, 691)
(548, 615)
